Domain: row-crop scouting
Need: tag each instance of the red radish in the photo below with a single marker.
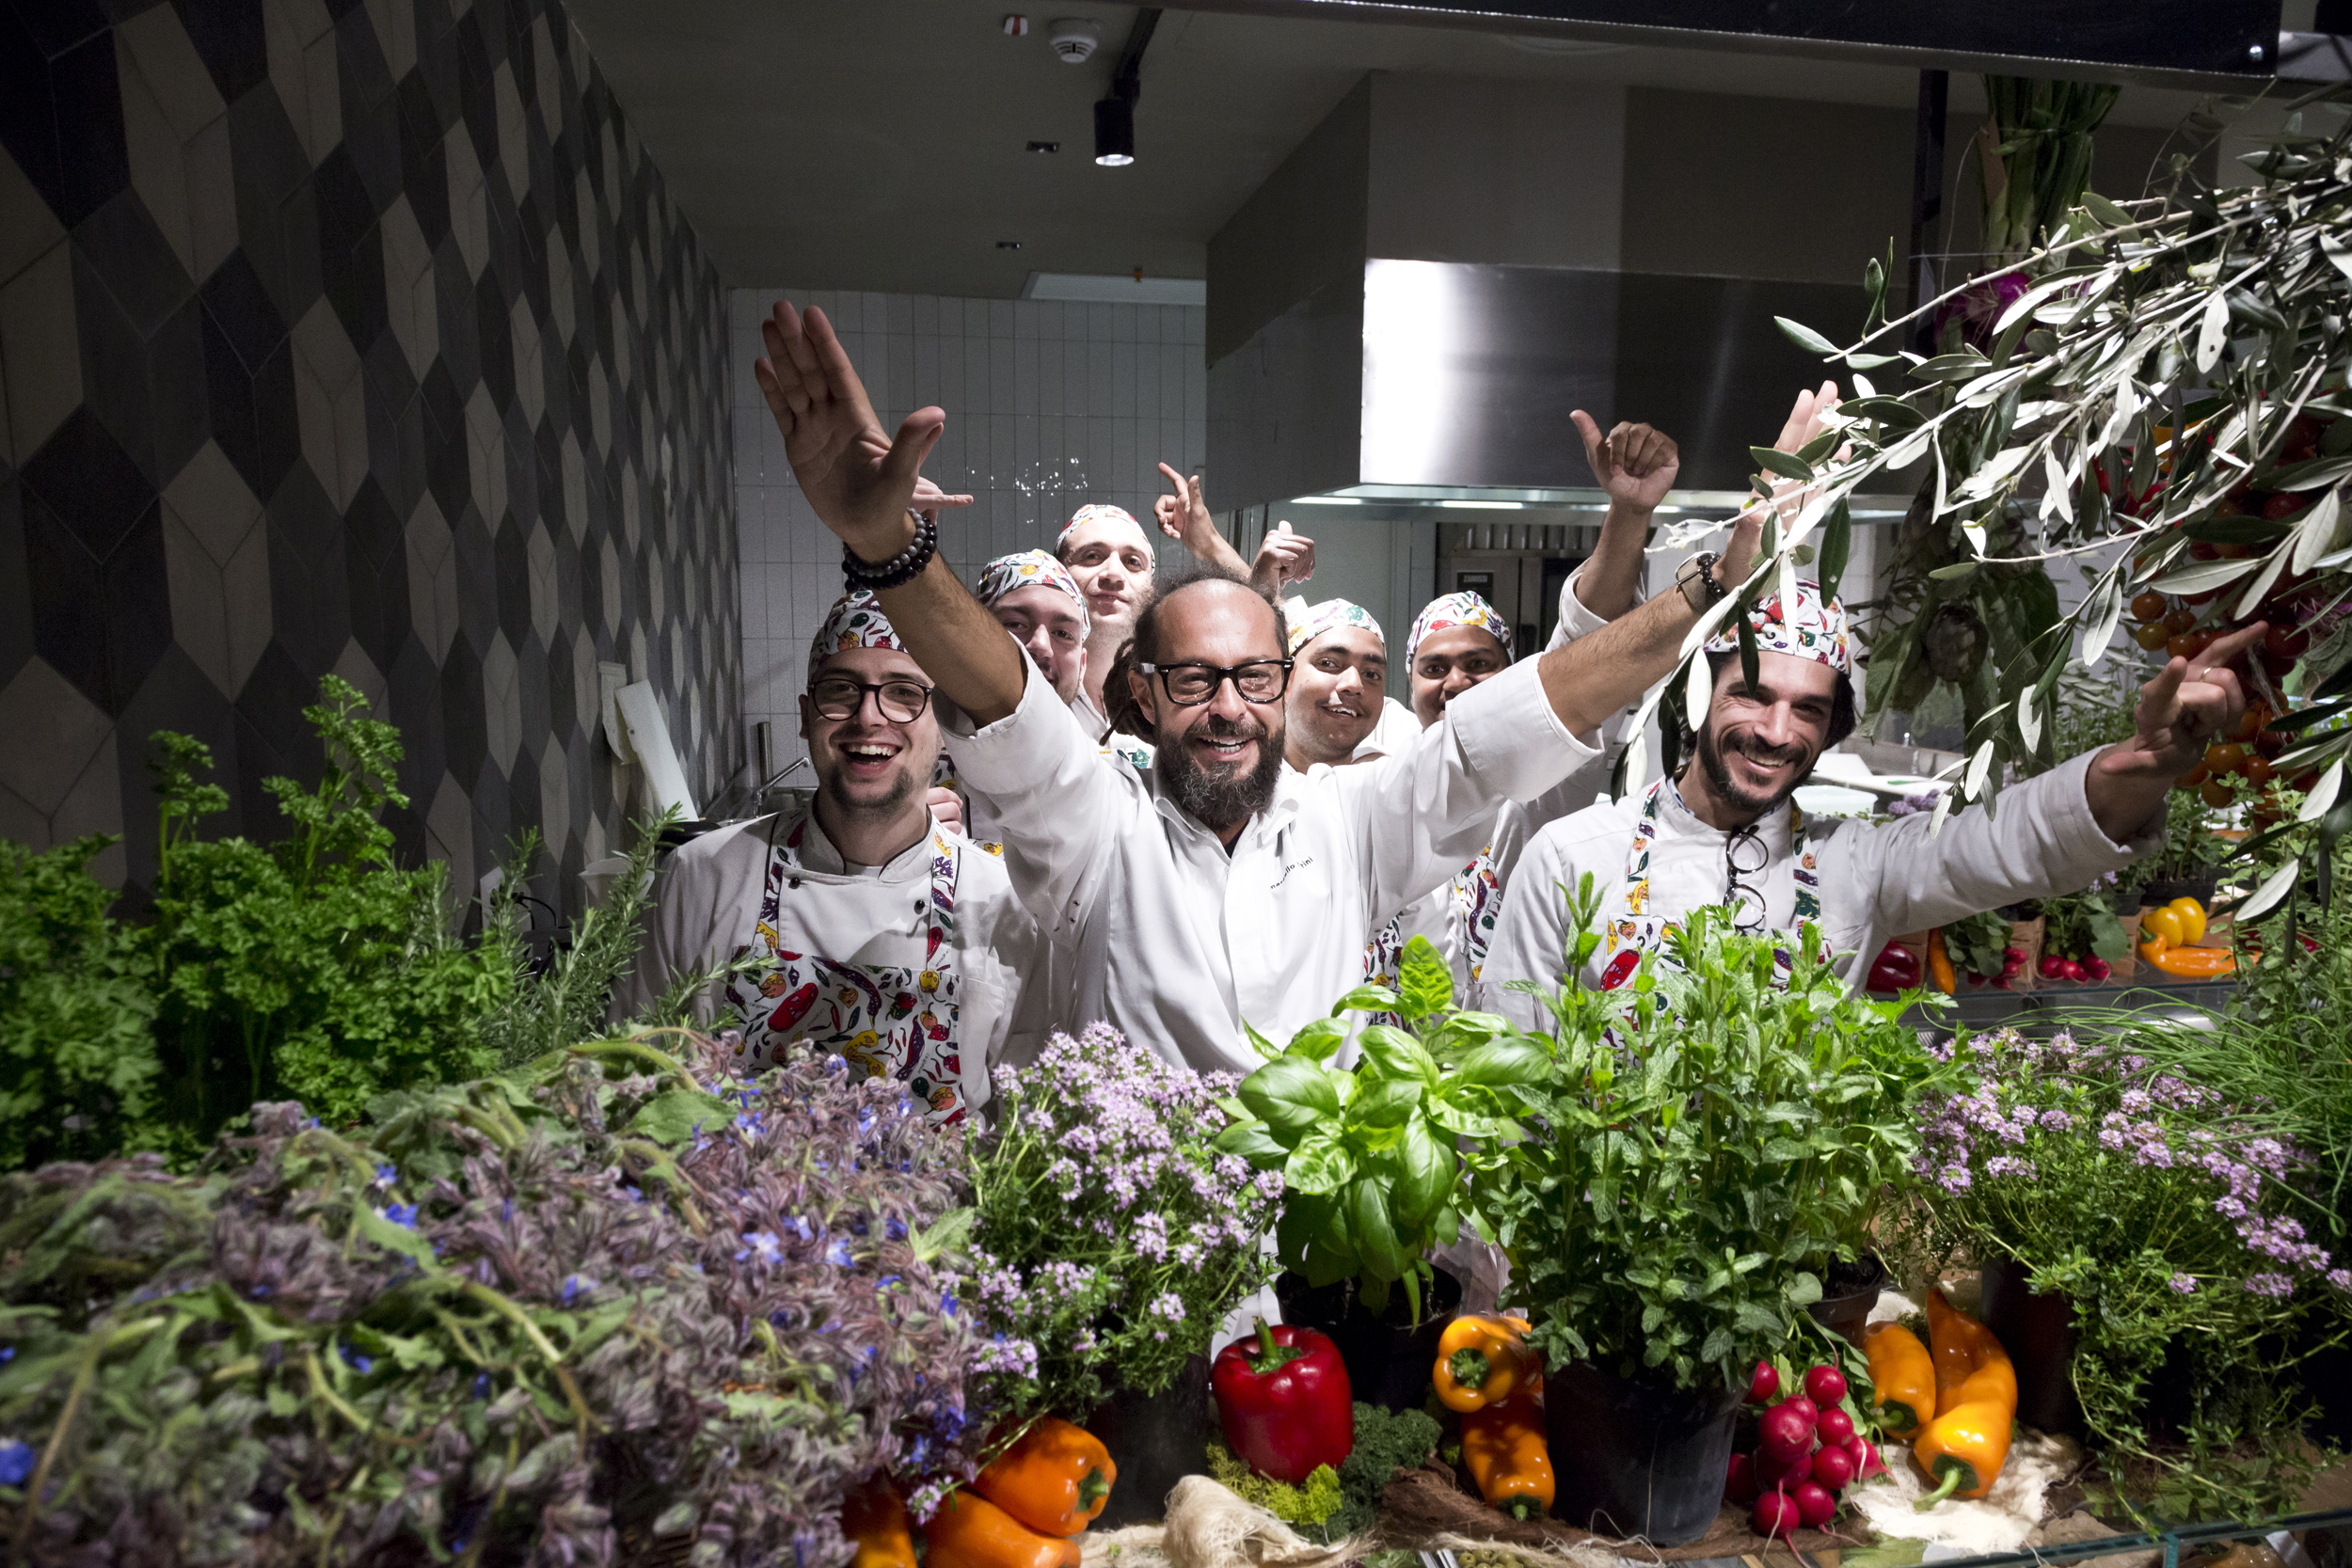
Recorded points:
(1775, 1514)
(1833, 1467)
(1777, 1475)
(2014, 954)
(1866, 1458)
(2052, 966)
(1824, 1385)
(1740, 1481)
(2073, 969)
(1835, 1426)
(1784, 1433)
(1805, 1407)
(1763, 1384)
(1815, 1506)
(2096, 969)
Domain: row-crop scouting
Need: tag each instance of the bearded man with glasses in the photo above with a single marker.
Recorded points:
(877, 932)
(1221, 893)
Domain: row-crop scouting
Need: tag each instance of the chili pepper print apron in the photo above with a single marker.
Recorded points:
(1637, 931)
(889, 1021)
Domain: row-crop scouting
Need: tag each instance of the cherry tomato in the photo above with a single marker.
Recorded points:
(2271, 744)
(2253, 721)
(2200, 549)
(2286, 642)
(2283, 505)
(2224, 756)
(2194, 777)
(2217, 793)
(2259, 771)
(2179, 619)
(2151, 636)
(2276, 665)
(2150, 606)
(2233, 550)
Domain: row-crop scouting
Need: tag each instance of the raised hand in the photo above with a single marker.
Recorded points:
(1284, 557)
(1804, 419)
(1636, 463)
(930, 499)
(858, 479)
(2189, 701)
(1183, 516)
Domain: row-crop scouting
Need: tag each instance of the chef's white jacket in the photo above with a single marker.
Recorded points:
(1176, 940)
(1877, 880)
(707, 910)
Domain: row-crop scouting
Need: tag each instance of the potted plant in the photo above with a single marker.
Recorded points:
(1701, 1139)
(1369, 1174)
(2144, 1240)
(1109, 1239)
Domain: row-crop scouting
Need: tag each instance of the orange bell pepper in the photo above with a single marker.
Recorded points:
(969, 1531)
(1966, 1444)
(1940, 963)
(2187, 963)
(875, 1519)
(1054, 1479)
(1902, 1377)
(1505, 1450)
(1483, 1360)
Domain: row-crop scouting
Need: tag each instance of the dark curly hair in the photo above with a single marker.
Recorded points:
(1841, 704)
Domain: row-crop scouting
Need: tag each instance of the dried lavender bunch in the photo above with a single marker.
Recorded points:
(623, 1305)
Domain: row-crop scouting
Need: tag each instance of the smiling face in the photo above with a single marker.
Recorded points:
(1758, 746)
(1221, 759)
(870, 765)
(1336, 686)
(1045, 621)
(1448, 663)
(1112, 562)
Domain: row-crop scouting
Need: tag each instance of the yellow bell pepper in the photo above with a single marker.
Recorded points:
(2192, 915)
(2164, 924)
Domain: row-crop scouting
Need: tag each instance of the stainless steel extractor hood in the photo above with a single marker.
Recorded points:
(1412, 379)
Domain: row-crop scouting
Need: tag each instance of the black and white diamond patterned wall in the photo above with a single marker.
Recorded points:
(352, 336)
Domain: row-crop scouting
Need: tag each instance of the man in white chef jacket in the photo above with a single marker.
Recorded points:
(1725, 831)
(1338, 689)
(1221, 890)
(880, 934)
(1459, 641)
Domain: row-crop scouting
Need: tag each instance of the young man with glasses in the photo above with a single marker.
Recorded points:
(879, 933)
(1725, 831)
(1221, 892)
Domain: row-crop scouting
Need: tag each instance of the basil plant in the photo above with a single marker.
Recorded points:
(1365, 1137)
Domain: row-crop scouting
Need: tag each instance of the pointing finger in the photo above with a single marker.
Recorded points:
(1596, 452)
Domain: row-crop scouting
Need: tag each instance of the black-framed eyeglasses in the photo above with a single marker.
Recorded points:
(1189, 685)
(839, 697)
(1745, 854)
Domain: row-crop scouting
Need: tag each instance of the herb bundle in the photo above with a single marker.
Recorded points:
(624, 1303)
(1108, 1238)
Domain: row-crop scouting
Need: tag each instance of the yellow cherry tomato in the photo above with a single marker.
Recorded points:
(2164, 924)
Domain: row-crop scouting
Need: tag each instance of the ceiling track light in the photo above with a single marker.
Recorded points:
(1115, 116)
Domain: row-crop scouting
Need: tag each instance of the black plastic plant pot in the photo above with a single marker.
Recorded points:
(1157, 1440)
(2038, 1331)
(1636, 1459)
(1849, 1291)
(1388, 1358)
(2156, 893)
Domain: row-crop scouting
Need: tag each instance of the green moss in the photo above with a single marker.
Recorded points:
(1309, 1504)
(1331, 1506)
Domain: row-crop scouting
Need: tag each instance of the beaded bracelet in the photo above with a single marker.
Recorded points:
(901, 568)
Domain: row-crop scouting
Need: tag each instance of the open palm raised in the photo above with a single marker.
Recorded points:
(858, 479)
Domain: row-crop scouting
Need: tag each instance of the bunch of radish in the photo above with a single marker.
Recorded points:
(2012, 964)
(2091, 970)
(1806, 1453)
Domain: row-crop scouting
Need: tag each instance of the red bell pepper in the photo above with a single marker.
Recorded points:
(1897, 968)
(1283, 1401)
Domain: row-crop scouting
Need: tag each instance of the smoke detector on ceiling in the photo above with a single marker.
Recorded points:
(1074, 39)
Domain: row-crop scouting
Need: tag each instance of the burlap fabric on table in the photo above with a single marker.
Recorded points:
(1423, 1504)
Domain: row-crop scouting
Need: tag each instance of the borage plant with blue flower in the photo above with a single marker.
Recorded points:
(2170, 1217)
(1109, 1239)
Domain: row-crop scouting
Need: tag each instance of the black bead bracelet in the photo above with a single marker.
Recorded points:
(901, 568)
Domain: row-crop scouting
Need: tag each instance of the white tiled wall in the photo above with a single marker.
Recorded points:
(1050, 405)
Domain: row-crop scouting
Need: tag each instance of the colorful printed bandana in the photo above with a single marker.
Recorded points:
(1307, 621)
(857, 622)
(1815, 630)
(1464, 608)
(1031, 569)
(1099, 512)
